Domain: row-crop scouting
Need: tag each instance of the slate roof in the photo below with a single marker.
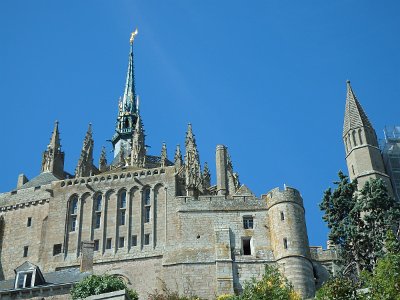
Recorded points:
(41, 179)
(52, 278)
(354, 115)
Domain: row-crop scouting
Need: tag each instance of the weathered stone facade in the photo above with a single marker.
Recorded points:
(153, 221)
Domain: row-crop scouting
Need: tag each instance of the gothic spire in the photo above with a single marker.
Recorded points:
(85, 163)
(178, 158)
(53, 157)
(103, 160)
(127, 108)
(192, 163)
(129, 98)
(138, 152)
(163, 155)
(354, 116)
(206, 176)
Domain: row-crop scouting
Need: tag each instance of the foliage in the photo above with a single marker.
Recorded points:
(384, 282)
(359, 220)
(272, 285)
(338, 288)
(167, 294)
(226, 297)
(95, 285)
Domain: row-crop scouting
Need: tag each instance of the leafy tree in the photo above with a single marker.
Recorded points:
(272, 285)
(359, 220)
(384, 282)
(338, 288)
(95, 285)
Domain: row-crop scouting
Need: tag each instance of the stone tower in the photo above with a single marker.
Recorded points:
(289, 239)
(363, 156)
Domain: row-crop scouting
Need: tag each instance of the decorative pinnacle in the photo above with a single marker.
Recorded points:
(347, 81)
(133, 34)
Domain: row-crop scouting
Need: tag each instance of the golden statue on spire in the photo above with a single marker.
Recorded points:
(133, 34)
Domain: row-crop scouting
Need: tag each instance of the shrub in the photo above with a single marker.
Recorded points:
(95, 285)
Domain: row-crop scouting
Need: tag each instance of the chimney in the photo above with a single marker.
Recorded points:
(87, 256)
(21, 180)
(221, 170)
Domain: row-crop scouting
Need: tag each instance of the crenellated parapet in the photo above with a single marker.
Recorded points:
(279, 196)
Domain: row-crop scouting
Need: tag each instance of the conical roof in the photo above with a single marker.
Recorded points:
(354, 115)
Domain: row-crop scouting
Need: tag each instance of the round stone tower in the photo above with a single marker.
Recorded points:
(289, 239)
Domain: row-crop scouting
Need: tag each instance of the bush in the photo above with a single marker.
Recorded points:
(95, 285)
(338, 288)
(272, 285)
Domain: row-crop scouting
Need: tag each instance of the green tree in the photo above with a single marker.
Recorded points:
(272, 285)
(338, 288)
(95, 285)
(384, 282)
(359, 220)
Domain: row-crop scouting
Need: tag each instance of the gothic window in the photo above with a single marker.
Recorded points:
(96, 245)
(122, 207)
(248, 222)
(97, 220)
(99, 199)
(360, 136)
(73, 213)
(246, 245)
(147, 206)
(121, 242)
(285, 244)
(108, 243)
(354, 138)
(147, 239)
(134, 240)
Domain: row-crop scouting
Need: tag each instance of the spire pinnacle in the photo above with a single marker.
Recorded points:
(192, 163)
(163, 154)
(354, 116)
(85, 163)
(53, 157)
(138, 152)
(55, 138)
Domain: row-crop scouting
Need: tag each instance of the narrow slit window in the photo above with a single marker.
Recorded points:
(147, 239)
(29, 222)
(96, 245)
(108, 243)
(121, 242)
(26, 248)
(282, 216)
(285, 244)
(134, 240)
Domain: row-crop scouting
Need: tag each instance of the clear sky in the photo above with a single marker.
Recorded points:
(266, 78)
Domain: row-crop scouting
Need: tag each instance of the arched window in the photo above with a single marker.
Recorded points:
(360, 136)
(98, 204)
(146, 205)
(354, 138)
(122, 207)
(73, 216)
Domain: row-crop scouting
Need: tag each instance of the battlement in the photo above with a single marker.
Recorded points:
(215, 203)
(278, 195)
(319, 254)
(112, 177)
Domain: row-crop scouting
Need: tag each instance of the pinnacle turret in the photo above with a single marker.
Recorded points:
(103, 160)
(192, 164)
(138, 152)
(178, 158)
(206, 176)
(163, 157)
(53, 157)
(85, 164)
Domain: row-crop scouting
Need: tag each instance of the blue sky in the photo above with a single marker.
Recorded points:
(265, 78)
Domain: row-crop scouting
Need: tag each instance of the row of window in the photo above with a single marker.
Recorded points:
(121, 209)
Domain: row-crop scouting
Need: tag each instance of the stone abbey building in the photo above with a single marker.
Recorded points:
(155, 221)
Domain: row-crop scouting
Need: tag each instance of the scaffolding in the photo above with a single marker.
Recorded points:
(391, 156)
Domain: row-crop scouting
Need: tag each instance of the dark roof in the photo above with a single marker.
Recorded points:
(52, 278)
(41, 179)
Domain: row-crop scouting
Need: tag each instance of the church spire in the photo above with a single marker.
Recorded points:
(53, 157)
(128, 109)
(354, 116)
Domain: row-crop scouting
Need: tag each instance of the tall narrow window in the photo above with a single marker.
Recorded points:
(147, 239)
(96, 245)
(98, 220)
(121, 242)
(122, 216)
(360, 136)
(122, 201)
(282, 216)
(73, 214)
(25, 251)
(29, 222)
(122, 208)
(147, 206)
(134, 240)
(108, 243)
(99, 200)
(246, 246)
(285, 244)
